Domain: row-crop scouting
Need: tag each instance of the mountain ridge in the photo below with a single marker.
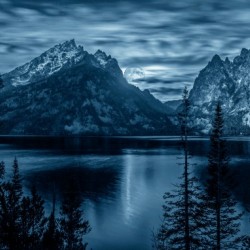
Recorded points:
(227, 82)
(84, 94)
(61, 56)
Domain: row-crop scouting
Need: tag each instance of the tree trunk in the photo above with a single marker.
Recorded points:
(187, 236)
(218, 202)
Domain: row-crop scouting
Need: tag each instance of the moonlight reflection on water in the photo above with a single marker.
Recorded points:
(122, 180)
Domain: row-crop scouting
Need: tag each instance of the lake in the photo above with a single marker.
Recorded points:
(122, 179)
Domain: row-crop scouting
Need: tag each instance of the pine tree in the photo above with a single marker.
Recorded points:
(13, 197)
(182, 217)
(52, 239)
(32, 221)
(172, 232)
(25, 223)
(73, 226)
(3, 205)
(183, 117)
(16, 184)
(222, 218)
(21, 217)
(37, 218)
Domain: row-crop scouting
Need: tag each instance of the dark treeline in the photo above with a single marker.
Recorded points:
(203, 216)
(24, 226)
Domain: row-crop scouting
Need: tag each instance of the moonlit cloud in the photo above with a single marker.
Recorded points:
(171, 40)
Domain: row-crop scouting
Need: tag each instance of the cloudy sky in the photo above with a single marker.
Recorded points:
(171, 41)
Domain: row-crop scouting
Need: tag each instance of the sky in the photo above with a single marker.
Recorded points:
(168, 41)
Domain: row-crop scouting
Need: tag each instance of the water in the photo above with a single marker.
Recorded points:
(122, 179)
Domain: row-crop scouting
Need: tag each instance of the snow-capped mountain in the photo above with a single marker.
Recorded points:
(62, 56)
(229, 83)
(67, 90)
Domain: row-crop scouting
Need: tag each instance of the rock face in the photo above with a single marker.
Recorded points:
(68, 91)
(62, 56)
(229, 83)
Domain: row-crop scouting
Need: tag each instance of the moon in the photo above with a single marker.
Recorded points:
(134, 74)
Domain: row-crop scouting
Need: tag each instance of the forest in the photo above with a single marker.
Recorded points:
(24, 225)
(202, 215)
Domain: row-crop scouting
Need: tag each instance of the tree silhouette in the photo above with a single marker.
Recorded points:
(12, 198)
(33, 211)
(222, 218)
(23, 224)
(3, 206)
(182, 216)
(52, 238)
(73, 226)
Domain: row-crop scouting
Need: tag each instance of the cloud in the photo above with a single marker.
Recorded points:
(166, 91)
(156, 80)
(171, 40)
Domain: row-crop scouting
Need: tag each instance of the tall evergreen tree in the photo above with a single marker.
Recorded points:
(73, 226)
(13, 197)
(25, 223)
(182, 217)
(21, 217)
(183, 117)
(52, 239)
(32, 221)
(37, 217)
(222, 218)
(3, 206)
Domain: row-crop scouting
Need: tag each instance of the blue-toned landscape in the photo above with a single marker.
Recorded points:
(122, 180)
(124, 125)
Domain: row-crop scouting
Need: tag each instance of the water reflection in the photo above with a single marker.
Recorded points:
(122, 180)
(128, 210)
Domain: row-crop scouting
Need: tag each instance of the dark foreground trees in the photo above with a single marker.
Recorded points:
(24, 226)
(52, 239)
(202, 217)
(72, 225)
(182, 215)
(222, 218)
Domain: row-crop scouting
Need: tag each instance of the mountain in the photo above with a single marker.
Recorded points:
(229, 83)
(67, 90)
(171, 106)
(60, 57)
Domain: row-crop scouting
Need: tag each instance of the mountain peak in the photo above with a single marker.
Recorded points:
(70, 42)
(243, 58)
(108, 63)
(67, 46)
(227, 82)
(216, 59)
(102, 57)
(100, 53)
(63, 55)
(227, 60)
(68, 91)
(244, 52)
